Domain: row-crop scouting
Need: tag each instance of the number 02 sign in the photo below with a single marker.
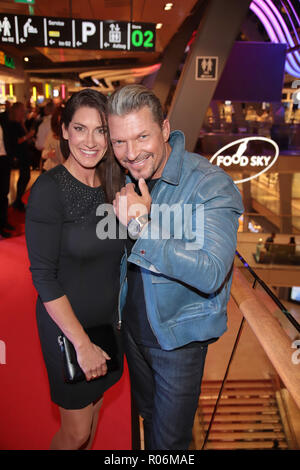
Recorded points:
(142, 38)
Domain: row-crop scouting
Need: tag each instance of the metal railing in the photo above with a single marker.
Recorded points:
(288, 315)
(257, 279)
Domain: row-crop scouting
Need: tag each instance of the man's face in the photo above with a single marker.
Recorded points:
(139, 143)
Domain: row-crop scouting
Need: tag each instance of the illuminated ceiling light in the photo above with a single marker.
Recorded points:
(168, 6)
(34, 93)
(26, 59)
(47, 90)
(63, 91)
(159, 25)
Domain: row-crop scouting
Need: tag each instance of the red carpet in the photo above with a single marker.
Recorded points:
(28, 419)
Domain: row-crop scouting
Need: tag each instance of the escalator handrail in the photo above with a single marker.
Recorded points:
(287, 314)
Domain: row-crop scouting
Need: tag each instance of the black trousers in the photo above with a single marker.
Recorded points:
(24, 177)
(5, 166)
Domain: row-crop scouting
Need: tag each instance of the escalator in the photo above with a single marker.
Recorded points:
(248, 416)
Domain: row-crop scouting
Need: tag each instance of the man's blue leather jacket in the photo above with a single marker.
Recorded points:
(187, 286)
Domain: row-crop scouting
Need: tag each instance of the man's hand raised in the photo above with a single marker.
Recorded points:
(128, 204)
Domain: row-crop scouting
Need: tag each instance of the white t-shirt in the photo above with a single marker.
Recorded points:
(52, 143)
(42, 132)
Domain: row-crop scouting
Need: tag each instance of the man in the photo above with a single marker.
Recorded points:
(19, 148)
(5, 168)
(178, 285)
(269, 241)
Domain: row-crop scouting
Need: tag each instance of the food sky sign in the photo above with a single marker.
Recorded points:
(41, 31)
(255, 153)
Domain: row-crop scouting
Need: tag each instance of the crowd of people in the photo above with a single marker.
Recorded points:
(28, 140)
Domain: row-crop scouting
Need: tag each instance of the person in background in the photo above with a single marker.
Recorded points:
(33, 118)
(19, 143)
(5, 169)
(51, 155)
(269, 241)
(32, 122)
(5, 166)
(178, 280)
(76, 274)
(45, 126)
(292, 245)
(4, 116)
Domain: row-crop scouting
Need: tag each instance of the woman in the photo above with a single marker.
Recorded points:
(20, 138)
(51, 154)
(76, 274)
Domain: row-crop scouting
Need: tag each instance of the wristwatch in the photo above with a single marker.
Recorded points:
(136, 225)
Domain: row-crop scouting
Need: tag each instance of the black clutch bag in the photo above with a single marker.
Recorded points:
(103, 336)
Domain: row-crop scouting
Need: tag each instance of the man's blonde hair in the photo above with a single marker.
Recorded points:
(133, 98)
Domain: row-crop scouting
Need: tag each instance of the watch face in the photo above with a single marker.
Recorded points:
(134, 228)
(143, 218)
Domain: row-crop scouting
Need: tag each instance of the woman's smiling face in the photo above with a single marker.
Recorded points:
(87, 137)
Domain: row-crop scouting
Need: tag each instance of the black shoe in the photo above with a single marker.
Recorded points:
(7, 226)
(4, 234)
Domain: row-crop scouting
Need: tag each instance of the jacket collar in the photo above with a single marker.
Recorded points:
(172, 170)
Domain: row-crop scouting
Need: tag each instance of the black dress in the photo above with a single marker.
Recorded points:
(67, 258)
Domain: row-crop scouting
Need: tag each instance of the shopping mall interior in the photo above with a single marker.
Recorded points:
(228, 76)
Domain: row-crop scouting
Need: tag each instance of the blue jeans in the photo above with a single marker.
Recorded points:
(166, 388)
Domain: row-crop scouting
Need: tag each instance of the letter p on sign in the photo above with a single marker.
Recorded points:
(88, 29)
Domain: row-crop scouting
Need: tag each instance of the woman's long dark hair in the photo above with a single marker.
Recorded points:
(110, 172)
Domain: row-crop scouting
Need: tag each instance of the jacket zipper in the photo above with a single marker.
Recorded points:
(119, 324)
